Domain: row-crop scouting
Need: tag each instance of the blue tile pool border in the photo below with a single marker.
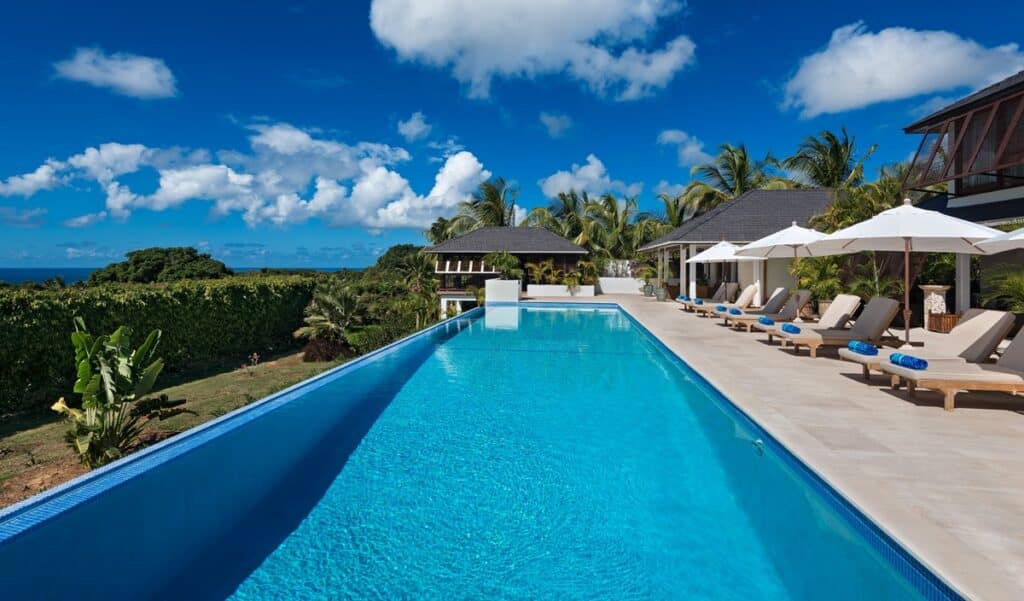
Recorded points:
(902, 561)
(39, 509)
(87, 488)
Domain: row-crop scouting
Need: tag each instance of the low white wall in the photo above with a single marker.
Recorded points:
(557, 290)
(620, 285)
(502, 291)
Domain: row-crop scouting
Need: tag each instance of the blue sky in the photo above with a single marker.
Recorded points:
(319, 134)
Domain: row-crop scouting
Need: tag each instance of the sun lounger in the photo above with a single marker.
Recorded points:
(951, 376)
(869, 327)
(774, 304)
(835, 317)
(788, 312)
(742, 302)
(974, 338)
(718, 297)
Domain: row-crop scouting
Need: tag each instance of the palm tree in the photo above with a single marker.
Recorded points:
(335, 308)
(676, 210)
(565, 216)
(493, 205)
(730, 174)
(440, 231)
(829, 160)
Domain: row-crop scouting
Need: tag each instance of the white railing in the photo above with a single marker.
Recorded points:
(464, 267)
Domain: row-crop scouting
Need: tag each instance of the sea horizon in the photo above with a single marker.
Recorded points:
(19, 275)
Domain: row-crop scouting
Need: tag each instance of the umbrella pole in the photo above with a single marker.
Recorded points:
(906, 291)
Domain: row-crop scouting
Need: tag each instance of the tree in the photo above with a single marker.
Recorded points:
(161, 265)
(398, 256)
(730, 174)
(333, 311)
(565, 215)
(507, 265)
(114, 381)
(493, 205)
(440, 231)
(829, 160)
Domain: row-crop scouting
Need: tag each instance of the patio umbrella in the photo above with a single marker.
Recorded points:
(906, 229)
(790, 242)
(1003, 242)
(723, 252)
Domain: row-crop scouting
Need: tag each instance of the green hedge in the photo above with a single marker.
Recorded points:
(203, 322)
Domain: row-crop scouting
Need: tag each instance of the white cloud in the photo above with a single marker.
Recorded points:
(127, 74)
(415, 128)
(45, 177)
(21, 218)
(591, 178)
(689, 150)
(354, 184)
(445, 149)
(555, 124)
(593, 41)
(858, 68)
(673, 190)
(85, 220)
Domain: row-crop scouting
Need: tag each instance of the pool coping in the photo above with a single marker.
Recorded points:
(31, 513)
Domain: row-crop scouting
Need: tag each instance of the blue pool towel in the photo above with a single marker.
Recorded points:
(862, 348)
(908, 361)
(720, 307)
(735, 311)
(698, 302)
(790, 328)
(765, 321)
(682, 297)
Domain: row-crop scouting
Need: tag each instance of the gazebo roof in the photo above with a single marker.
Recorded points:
(749, 217)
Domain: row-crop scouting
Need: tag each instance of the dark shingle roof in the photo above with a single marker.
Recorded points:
(1010, 85)
(509, 239)
(751, 216)
(991, 213)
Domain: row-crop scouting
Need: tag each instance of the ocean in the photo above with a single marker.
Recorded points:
(17, 275)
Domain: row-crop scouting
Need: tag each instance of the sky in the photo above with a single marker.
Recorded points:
(312, 134)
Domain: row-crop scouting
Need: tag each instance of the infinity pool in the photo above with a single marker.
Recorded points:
(513, 453)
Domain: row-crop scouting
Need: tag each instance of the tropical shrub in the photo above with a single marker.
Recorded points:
(871, 280)
(204, 322)
(114, 382)
(334, 310)
(1005, 288)
(507, 265)
(819, 275)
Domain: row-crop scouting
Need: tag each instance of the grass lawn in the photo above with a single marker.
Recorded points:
(34, 456)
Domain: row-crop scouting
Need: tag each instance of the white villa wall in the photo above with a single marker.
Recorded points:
(778, 274)
(620, 285)
(558, 290)
(502, 291)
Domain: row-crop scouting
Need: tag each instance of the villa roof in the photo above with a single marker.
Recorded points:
(990, 213)
(748, 217)
(515, 240)
(1000, 89)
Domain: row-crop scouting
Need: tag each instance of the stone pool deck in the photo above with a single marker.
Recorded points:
(948, 486)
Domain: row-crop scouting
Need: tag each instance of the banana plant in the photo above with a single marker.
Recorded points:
(114, 382)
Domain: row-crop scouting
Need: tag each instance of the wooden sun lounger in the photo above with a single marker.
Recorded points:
(835, 317)
(869, 327)
(787, 313)
(742, 302)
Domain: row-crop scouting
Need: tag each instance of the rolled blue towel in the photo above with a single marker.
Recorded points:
(908, 361)
(680, 298)
(698, 302)
(862, 348)
(720, 307)
(735, 311)
(790, 328)
(765, 321)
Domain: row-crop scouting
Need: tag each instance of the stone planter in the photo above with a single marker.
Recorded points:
(660, 293)
(502, 291)
(648, 289)
(934, 304)
(558, 290)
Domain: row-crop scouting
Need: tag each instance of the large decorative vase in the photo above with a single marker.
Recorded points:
(648, 290)
(661, 294)
(935, 316)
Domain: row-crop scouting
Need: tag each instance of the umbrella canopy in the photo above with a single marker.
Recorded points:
(723, 252)
(790, 242)
(1003, 242)
(906, 229)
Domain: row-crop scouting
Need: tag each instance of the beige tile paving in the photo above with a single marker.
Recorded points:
(949, 486)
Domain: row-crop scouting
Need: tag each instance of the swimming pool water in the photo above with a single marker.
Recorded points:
(517, 453)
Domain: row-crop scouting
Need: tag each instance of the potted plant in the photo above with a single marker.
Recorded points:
(647, 273)
(819, 275)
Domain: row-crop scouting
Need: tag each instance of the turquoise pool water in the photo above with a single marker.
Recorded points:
(521, 453)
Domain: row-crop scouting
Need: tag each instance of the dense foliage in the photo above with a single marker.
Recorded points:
(204, 322)
(161, 265)
(114, 381)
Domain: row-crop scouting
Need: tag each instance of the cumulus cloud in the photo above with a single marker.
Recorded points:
(415, 127)
(591, 178)
(858, 68)
(555, 124)
(672, 190)
(596, 42)
(352, 184)
(689, 150)
(127, 74)
(45, 177)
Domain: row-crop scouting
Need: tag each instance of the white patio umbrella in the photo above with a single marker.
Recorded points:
(906, 229)
(789, 242)
(1003, 242)
(723, 252)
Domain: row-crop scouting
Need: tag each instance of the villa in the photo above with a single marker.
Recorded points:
(975, 147)
(749, 217)
(461, 266)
